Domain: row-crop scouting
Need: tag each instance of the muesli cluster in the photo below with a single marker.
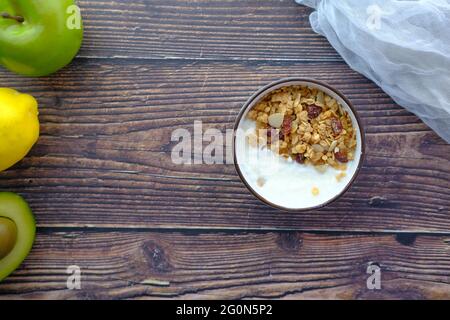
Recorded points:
(306, 125)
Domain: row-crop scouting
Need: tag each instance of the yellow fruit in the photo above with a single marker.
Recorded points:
(19, 126)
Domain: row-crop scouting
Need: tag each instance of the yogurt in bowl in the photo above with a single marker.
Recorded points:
(298, 144)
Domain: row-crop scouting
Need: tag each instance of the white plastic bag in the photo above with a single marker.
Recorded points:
(401, 45)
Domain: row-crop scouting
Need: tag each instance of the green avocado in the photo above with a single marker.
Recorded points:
(8, 236)
(17, 232)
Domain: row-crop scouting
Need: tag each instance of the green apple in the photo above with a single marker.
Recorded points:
(39, 37)
(17, 232)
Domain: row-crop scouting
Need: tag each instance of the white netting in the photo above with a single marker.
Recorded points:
(401, 45)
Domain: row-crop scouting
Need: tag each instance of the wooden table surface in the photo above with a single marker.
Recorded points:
(108, 198)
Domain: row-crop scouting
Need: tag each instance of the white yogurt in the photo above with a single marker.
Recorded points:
(285, 182)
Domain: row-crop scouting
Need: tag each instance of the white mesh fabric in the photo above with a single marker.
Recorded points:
(401, 45)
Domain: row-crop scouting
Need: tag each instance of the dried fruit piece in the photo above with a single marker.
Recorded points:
(313, 111)
(300, 158)
(287, 125)
(276, 120)
(271, 135)
(336, 125)
(341, 156)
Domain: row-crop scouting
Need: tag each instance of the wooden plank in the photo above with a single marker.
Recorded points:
(203, 29)
(104, 155)
(114, 265)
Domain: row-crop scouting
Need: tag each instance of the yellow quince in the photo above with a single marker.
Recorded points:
(19, 126)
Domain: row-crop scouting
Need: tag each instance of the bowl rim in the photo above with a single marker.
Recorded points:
(265, 90)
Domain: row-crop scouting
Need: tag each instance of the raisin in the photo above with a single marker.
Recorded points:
(313, 111)
(336, 125)
(341, 156)
(271, 137)
(287, 125)
(300, 158)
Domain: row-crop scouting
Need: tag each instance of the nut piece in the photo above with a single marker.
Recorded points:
(315, 191)
(317, 148)
(332, 146)
(252, 139)
(340, 175)
(321, 168)
(261, 182)
(276, 120)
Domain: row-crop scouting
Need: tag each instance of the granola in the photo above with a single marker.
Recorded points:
(315, 191)
(306, 125)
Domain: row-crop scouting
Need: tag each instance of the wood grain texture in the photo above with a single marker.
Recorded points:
(202, 29)
(104, 157)
(102, 167)
(231, 266)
